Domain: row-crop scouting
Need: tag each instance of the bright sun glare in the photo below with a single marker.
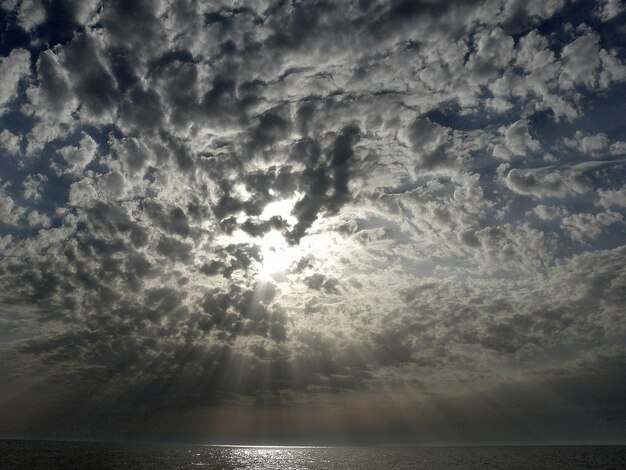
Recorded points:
(277, 254)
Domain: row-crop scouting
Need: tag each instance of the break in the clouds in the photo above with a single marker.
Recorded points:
(313, 220)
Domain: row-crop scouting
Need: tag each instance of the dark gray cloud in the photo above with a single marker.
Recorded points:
(413, 208)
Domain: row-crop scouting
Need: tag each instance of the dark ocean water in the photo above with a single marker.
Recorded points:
(73, 455)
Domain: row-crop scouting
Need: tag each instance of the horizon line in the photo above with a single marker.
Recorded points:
(325, 446)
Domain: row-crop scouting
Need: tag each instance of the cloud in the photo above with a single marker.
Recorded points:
(594, 145)
(10, 142)
(585, 63)
(54, 93)
(609, 9)
(91, 80)
(517, 141)
(494, 50)
(554, 182)
(325, 179)
(580, 60)
(77, 158)
(31, 13)
(36, 219)
(545, 212)
(613, 198)
(536, 184)
(582, 227)
(10, 213)
(13, 68)
(33, 186)
(291, 206)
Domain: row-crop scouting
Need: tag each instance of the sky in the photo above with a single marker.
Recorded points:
(359, 221)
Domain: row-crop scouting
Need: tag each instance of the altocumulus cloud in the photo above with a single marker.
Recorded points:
(362, 220)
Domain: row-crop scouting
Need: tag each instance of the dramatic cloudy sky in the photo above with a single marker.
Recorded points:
(313, 221)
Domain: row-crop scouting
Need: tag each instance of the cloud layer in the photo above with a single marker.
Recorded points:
(209, 207)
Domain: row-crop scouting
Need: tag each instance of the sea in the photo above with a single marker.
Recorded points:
(49, 455)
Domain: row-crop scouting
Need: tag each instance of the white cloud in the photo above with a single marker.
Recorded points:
(517, 141)
(613, 197)
(580, 60)
(609, 9)
(37, 219)
(13, 68)
(77, 158)
(10, 212)
(583, 62)
(583, 227)
(618, 148)
(10, 142)
(82, 192)
(593, 145)
(545, 212)
(33, 185)
(537, 184)
(31, 13)
(613, 69)
(494, 51)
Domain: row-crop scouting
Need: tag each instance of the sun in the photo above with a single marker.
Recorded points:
(277, 255)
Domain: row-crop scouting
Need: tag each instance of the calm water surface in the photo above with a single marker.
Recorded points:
(73, 455)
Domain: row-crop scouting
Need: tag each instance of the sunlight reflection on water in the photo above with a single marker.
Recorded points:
(333, 458)
(267, 458)
(35, 455)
